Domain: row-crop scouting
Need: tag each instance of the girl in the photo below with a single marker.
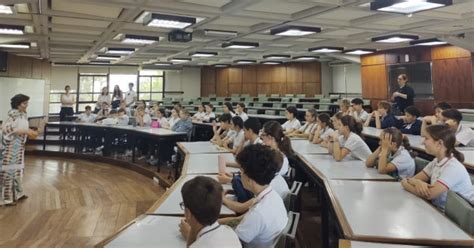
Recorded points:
(174, 118)
(323, 122)
(117, 97)
(227, 107)
(292, 123)
(347, 140)
(199, 115)
(237, 141)
(240, 110)
(160, 117)
(336, 123)
(272, 135)
(393, 155)
(209, 115)
(67, 103)
(445, 172)
(344, 107)
(383, 116)
(308, 128)
(104, 97)
(142, 118)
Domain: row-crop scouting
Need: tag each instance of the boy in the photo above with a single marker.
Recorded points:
(383, 116)
(357, 110)
(409, 122)
(464, 135)
(87, 116)
(223, 131)
(185, 124)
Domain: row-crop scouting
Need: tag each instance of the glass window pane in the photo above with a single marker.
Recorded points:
(85, 98)
(54, 97)
(122, 80)
(85, 83)
(96, 97)
(144, 84)
(54, 108)
(157, 96)
(144, 96)
(157, 84)
(151, 72)
(99, 83)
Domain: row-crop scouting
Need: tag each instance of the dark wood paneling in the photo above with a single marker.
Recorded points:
(264, 88)
(250, 89)
(235, 88)
(264, 74)
(452, 80)
(294, 88)
(415, 54)
(373, 59)
(374, 82)
(294, 73)
(311, 89)
(207, 89)
(222, 81)
(279, 74)
(249, 74)
(311, 72)
(235, 75)
(208, 75)
(449, 52)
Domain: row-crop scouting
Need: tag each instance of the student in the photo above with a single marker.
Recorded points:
(272, 135)
(308, 128)
(383, 116)
(228, 109)
(130, 96)
(437, 118)
(336, 124)
(223, 131)
(357, 110)
(344, 106)
(323, 122)
(240, 111)
(209, 115)
(202, 202)
(393, 155)
(410, 122)
(142, 119)
(104, 97)
(160, 117)
(67, 103)
(122, 117)
(185, 124)
(87, 116)
(237, 141)
(445, 172)
(103, 112)
(464, 135)
(267, 218)
(124, 107)
(111, 118)
(199, 115)
(292, 123)
(117, 97)
(174, 118)
(347, 140)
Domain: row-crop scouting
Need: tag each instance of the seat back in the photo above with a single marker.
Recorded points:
(258, 104)
(288, 235)
(308, 106)
(420, 164)
(252, 111)
(468, 117)
(270, 112)
(460, 211)
(277, 105)
(291, 198)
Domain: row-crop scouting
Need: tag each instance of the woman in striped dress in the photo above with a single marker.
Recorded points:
(14, 134)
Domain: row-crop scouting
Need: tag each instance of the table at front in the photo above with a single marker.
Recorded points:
(200, 147)
(303, 146)
(207, 163)
(384, 212)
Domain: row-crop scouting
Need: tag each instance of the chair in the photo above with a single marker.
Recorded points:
(282, 113)
(270, 112)
(467, 117)
(276, 105)
(259, 105)
(318, 96)
(292, 196)
(220, 99)
(286, 99)
(212, 96)
(325, 104)
(262, 95)
(289, 95)
(235, 99)
(219, 109)
(252, 111)
(245, 95)
(288, 235)
(308, 106)
(275, 95)
(460, 211)
(235, 95)
(366, 102)
(420, 164)
(334, 96)
(301, 95)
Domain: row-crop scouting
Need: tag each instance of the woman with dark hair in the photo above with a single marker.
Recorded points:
(117, 97)
(272, 135)
(67, 103)
(404, 96)
(241, 111)
(15, 131)
(445, 172)
(227, 107)
(347, 140)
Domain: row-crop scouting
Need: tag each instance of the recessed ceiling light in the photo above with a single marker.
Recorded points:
(107, 57)
(240, 45)
(12, 29)
(276, 56)
(360, 51)
(16, 45)
(294, 30)
(203, 54)
(126, 51)
(245, 61)
(326, 49)
(180, 60)
(271, 62)
(139, 39)
(168, 21)
(395, 38)
(163, 63)
(214, 32)
(221, 65)
(305, 58)
(428, 42)
(408, 6)
(7, 9)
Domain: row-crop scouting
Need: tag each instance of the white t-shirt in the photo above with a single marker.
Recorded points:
(87, 118)
(361, 117)
(307, 127)
(404, 162)
(264, 221)
(163, 122)
(129, 96)
(67, 100)
(293, 124)
(465, 135)
(147, 120)
(255, 142)
(173, 121)
(244, 116)
(232, 113)
(356, 145)
(110, 121)
(216, 236)
(325, 132)
(208, 116)
(123, 120)
(199, 115)
(452, 174)
(280, 186)
(238, 139)
(101, 99)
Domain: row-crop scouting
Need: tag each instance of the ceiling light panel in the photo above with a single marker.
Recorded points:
(12, 29)
(240, 45)
(139, 39)
(203, 54)
(428, 42)
(168, 21)
(408, 6)
(361, 51)
(125, 51)
(326, 49)
(16, 45)
(7, 9)
(276, 56)
(395, 38)
(295, 30)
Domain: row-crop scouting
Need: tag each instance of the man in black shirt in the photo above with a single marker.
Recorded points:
(405, 95)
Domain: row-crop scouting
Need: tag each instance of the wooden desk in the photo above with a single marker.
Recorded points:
(206, 163)
(343, 243)
(303, 146)
(385, 212)
(200, 147)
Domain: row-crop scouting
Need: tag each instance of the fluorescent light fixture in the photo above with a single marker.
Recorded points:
(305, 58)
(180, 60)
(327, 49)
(12, 29)
(395, 38)
(428, 42)
(95, 62)
(270, 62)
(107, 57)
(215, 32)
(408, 6)
(276, 56)
(126, 51)
(203, 54)
(359, 51)
(139, 39)
(292, 30)
(16, 45)
(168, 21)
(163, 63)
(221, 65)
(240, 45)
(7, 9)
(245, 61)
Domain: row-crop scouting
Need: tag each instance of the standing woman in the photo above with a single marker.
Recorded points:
(104, 97)
(67, 103)
(14, 134)
(117, 97)
(404, 96)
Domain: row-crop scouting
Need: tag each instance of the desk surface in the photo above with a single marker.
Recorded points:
(303, 146)
(200, 147)
(327, 168)
(146, 130)
(385, 212)
(170, 206)
(358, 244)
(150, 231)
(207, 163)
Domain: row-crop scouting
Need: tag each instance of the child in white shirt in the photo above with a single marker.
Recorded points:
(464, 135)
(122, 117)
(111, 119)
(323, 130)
(292, 123)
(87, 116)
(308, 128)
(347, 140)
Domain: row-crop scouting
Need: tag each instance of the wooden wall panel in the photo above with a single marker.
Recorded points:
(374, 82)
(222, 81)
(449, 52)
(415, 54)
(26, 67)
(452, 80)
(264, 88)
(279, 74)
(235, 88)
(250, 89)
(249, 74)
(235, 75)
(264, 74)
(311, 89)
(311, 72)
(294, 88)
(373, 59)
(294, 73)
(208, 75)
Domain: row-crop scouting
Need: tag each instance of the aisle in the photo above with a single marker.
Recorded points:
(74, 203)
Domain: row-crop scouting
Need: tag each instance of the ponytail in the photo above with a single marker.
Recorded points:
(458, 155)
(285, 146)
(353, 125)
(274, 129)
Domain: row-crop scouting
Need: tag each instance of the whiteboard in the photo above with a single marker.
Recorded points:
(34, 88)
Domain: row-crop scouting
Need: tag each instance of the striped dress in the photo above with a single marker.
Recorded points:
(12, 157)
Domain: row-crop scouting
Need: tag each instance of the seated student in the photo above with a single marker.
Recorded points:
(323, 122)
(347, 140)
(308, 128)
(383, 116)
(437, 118)
(103, 112)
(228, 109)
(160, 117)
(273, 136)
(357, 110)
(122, 118)
(202, 202)
(344, 106)
(111, 119)
(87, 116)
(267, 218)
(142, 118)
(292, 123)
(336, 124)
(237, 141)
(222, 132)
(123, 106)
(209, 115)
(393, 154)
(464, 135)
(445, 172)
(185, 124)
(240, 111)
(199, 115)
(174, 117)
(409, 122)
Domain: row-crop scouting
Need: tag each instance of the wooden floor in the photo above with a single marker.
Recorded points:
(74, 203)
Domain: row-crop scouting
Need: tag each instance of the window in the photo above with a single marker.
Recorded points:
(90, 87)
(151, 85)
(55, 101)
